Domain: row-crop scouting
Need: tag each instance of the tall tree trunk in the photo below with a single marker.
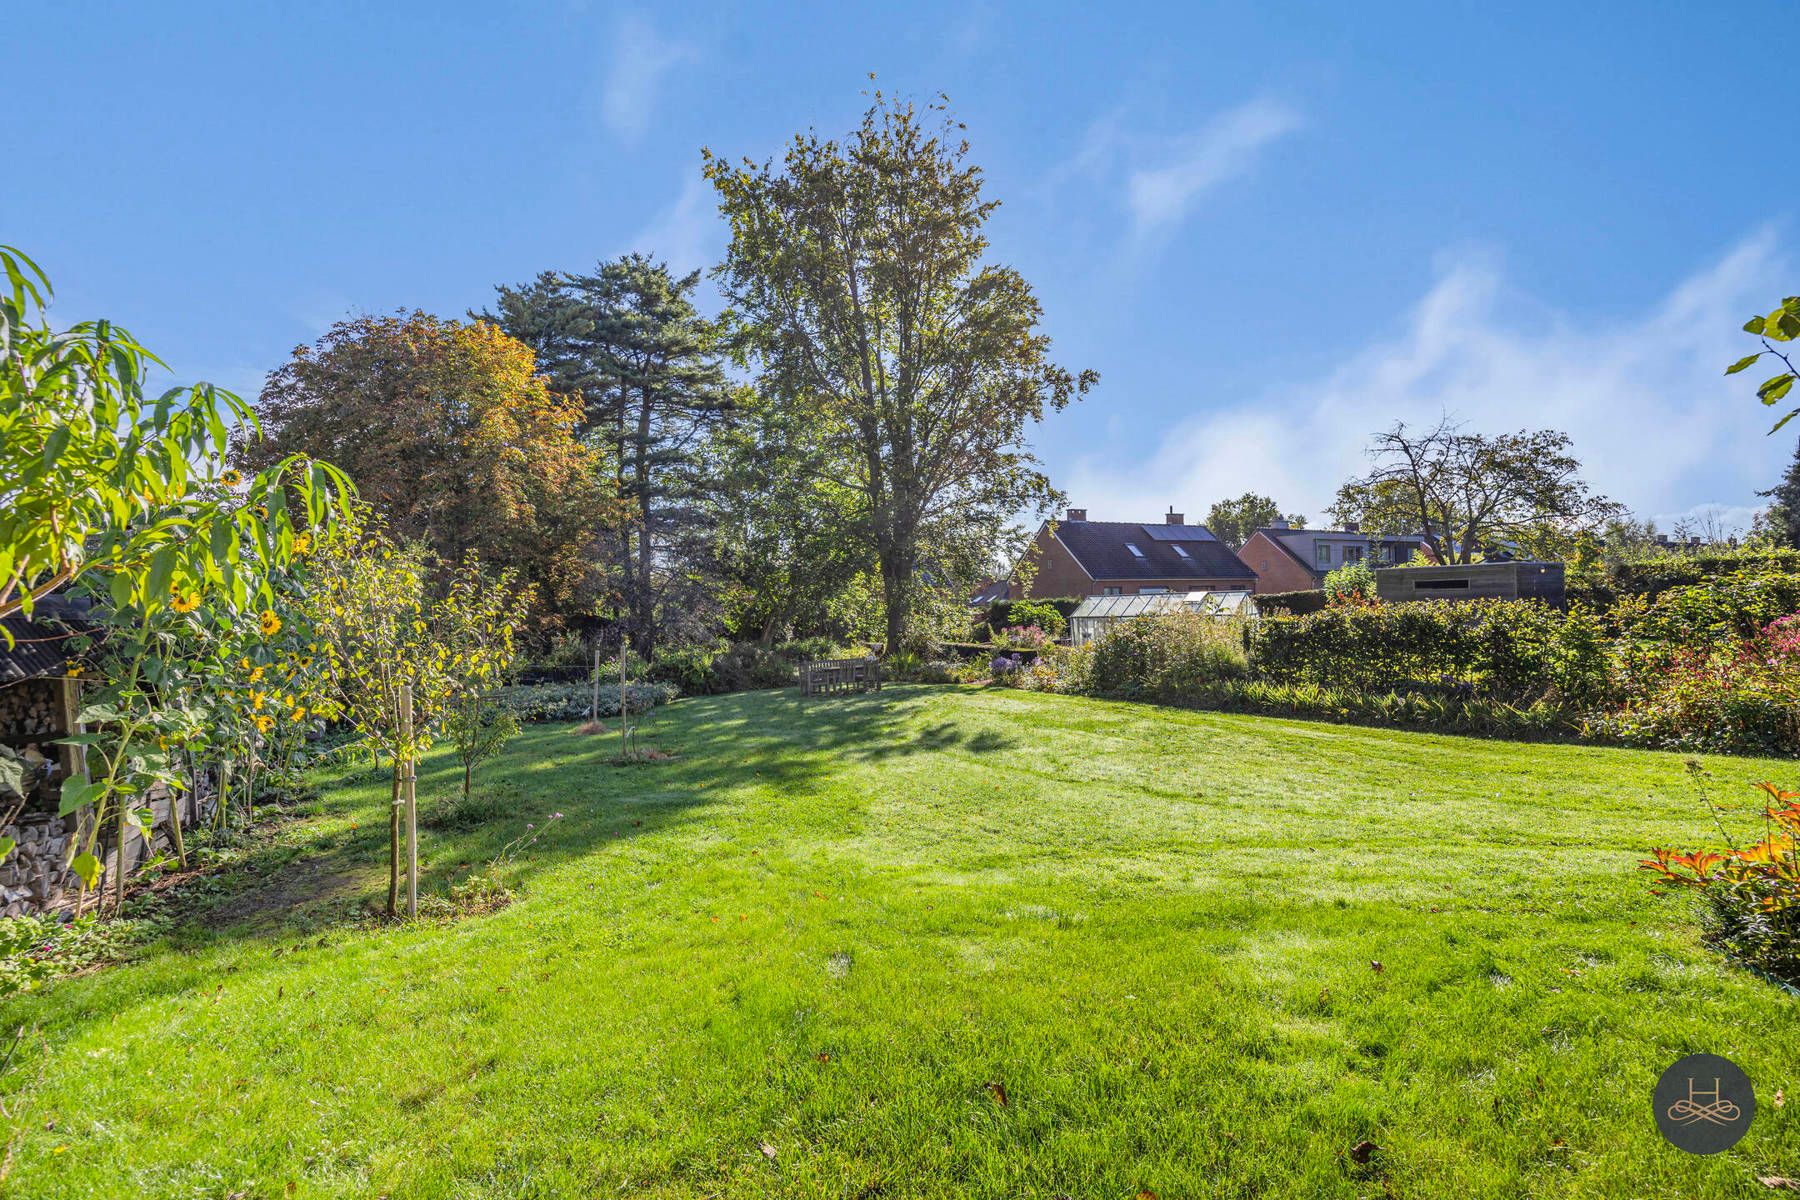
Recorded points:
(896, 589)
(643, 614)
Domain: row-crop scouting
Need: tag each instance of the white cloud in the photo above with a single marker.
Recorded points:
(687, 232)
(1226, 147)
(1643, 395)
(641, 58)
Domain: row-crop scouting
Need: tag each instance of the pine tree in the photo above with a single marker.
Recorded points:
(629, 342)
(1782, 518)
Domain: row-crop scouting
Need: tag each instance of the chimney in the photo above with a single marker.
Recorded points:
(1174, 518)
(1078, 514)
(1279, 523)
(1352, 526)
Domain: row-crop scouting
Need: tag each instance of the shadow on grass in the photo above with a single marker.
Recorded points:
(717, 743)
(317, 879)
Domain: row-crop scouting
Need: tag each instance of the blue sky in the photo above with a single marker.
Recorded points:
(1271, 228)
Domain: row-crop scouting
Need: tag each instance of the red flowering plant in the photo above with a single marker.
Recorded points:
(1738, 694)
(1753, 890)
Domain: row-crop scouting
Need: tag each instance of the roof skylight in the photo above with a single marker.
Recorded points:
(1132, 546)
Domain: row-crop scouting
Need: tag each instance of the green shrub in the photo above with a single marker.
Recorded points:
(1165, 657)
(1004, 613)
(1297, 604)
(1709, 612)
(572, 701)
(1651, 576)
(1354, 581)
(1039, 613)
(724, 667)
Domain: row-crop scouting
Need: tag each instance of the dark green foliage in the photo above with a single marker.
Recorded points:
(1296, 604)
(646, 365)
(1004, 614)
(1782, 520)
(574, 701)
(1235, 521)
(1708, 611)
(744, 666)
(1508, 649)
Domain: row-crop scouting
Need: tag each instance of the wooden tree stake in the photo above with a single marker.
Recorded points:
(408, 776)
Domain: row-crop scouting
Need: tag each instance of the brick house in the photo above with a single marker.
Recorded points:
(1079, 557)
(1285, 559)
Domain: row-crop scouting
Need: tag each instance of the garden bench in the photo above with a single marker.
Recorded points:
(834, 676)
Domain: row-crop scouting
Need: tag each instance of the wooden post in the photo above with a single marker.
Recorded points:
(624, 709)
(408, 775)
(594, 709)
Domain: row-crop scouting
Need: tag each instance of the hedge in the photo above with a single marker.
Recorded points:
(1296, 604)
(1652, 576)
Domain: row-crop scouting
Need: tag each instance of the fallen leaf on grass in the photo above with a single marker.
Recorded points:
(1780, 1099)
(1376, 967)
(768, 1151)
(999, 1090)
(1363, 1151)
(1779, 1181)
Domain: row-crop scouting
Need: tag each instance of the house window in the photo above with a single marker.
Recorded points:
(1353, 554)
(1132, 546)
(1153, 591)
(1111, 591)
(1322, 552)
(1183, 552)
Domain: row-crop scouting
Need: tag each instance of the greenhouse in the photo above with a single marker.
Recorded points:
(1097, 614)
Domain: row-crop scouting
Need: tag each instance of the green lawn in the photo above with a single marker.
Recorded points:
(829, 928)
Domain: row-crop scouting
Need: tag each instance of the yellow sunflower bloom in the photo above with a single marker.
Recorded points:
(231, 479)
(184, 602)
(270, 624)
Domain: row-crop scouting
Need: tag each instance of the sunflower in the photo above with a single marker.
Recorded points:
(184, 602)
(231, 479)
(256, 699)
(265, 723)
(270, 624)
(303, 543)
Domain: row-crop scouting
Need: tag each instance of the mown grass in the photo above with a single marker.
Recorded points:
(836, 929)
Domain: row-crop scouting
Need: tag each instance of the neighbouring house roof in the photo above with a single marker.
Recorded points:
(1299, 543)
(39, 645)
(1103, 548)
(987, 593)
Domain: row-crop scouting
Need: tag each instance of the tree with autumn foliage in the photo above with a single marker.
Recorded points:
(456, 439)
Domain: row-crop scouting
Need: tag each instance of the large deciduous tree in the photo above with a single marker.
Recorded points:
(1467, 492)
(454, 437)
(628, 340)
(777, 525)
(1234, 521)
(857, 284)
